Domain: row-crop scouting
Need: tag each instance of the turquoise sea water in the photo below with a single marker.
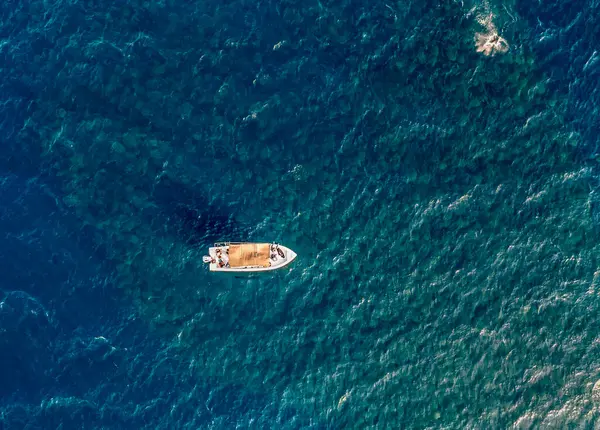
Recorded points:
(434, 165)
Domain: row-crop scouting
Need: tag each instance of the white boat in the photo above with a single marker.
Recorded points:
(248, 257)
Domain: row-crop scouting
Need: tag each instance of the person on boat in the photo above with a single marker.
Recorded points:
(223, 256)
(280, 252)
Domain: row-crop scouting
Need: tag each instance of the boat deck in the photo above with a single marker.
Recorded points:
(246, 257)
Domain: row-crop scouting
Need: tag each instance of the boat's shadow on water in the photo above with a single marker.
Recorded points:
(193, 219)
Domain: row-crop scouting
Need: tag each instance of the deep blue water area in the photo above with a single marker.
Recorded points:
(435, 165)
(73, 354)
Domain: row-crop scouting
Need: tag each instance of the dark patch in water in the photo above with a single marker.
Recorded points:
(193, 218)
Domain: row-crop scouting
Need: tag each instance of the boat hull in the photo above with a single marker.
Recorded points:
(280, 262)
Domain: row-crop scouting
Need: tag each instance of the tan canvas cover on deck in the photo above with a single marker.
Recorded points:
(249, 254)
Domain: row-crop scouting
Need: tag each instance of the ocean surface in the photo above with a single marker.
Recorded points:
(435, 164)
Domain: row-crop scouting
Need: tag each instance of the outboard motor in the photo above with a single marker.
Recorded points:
(207, 259)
